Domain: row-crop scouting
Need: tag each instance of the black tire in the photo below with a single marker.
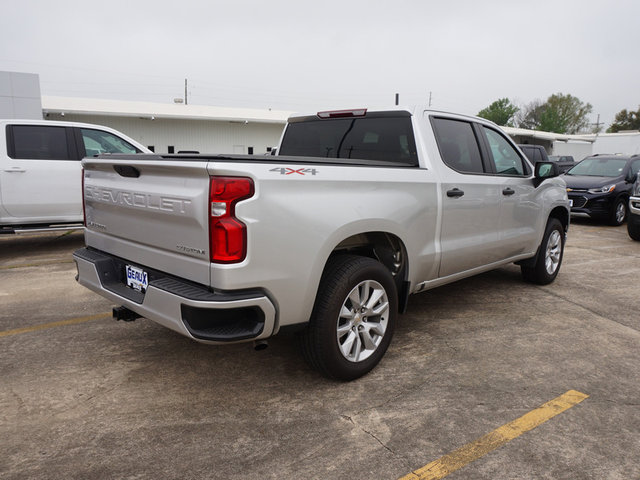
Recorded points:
(549, 256)
(337, 317)
(619, 212)
(633, 227)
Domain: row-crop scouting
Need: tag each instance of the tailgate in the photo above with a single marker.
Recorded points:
(150, 211)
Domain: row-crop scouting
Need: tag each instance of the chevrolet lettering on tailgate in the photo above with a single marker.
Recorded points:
(135, 199)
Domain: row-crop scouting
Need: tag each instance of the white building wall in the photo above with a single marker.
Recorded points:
(205, 136)
(20, 95)
(578, 150)
(624, 143)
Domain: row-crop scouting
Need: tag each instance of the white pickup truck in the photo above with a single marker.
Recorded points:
(358, 210)
(41, 174)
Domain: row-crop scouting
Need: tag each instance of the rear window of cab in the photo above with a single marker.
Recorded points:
(387, 138)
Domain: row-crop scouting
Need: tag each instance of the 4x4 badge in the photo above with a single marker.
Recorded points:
(291, 171)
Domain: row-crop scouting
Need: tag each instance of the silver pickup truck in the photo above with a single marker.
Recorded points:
(358, 210)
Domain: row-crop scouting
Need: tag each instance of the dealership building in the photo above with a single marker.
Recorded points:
(163, 127)
(172, 128)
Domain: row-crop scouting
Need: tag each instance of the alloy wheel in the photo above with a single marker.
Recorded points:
(362, 321)
(552, 254)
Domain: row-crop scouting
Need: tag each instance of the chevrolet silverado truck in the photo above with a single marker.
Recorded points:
(40, 171)
(329, 238)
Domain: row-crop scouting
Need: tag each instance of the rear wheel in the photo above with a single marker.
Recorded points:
(549, 256)
(619, 212)
(353, 318)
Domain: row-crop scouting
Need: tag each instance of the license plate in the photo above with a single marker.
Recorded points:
(570, 203)
(137, 278)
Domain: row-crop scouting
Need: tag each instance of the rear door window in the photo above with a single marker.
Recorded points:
(458, 145)
(38, 142)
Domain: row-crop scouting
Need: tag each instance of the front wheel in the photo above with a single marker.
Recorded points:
(353, 318)
(549, 256)
(619, 212)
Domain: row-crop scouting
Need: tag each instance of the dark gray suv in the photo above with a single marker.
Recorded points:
(600, 186)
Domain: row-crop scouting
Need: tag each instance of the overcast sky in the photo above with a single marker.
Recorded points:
(310, 55)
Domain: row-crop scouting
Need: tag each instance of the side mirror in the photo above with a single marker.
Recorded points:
(544, 170)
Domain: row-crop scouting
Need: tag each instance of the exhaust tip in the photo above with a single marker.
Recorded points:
(123, 313)
(259, 345)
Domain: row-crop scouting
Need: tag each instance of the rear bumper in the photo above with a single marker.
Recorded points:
(185, 307)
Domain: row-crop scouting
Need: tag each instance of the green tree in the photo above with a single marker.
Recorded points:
(559, 114)
(501, 112)
(625, 120)
(564, 114)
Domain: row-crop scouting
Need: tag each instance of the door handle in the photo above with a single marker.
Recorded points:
(456, 192)
(15, 170)
(508, 191)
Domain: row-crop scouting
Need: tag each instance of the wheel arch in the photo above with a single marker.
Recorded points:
(388, 249)
(561, 214)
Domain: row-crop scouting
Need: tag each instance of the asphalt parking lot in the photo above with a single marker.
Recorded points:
(85, 397)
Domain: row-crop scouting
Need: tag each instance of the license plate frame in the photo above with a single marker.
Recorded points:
(137, 278)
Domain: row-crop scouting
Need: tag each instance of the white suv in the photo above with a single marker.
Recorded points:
(40, 169)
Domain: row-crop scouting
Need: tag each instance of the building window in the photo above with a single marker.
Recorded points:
(151, 147)
(171, 149)
(250, 150)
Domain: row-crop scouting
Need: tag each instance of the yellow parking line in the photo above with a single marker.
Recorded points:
(472, 451)
(41, 264)
(61, 323)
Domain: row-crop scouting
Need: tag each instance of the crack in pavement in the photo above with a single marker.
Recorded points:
(372, 435)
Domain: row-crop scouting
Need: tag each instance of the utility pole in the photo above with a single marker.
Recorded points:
(429, 99)
(397, 98)
(597, 125)
(185, 91)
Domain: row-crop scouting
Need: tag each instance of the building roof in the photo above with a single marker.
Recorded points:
(622, 134)
(549, 136)
(95, 106)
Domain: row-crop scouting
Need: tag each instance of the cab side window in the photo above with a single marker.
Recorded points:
(97, 142)
(458, 145)
(504, 157)
(35, 142)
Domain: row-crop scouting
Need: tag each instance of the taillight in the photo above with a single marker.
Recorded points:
(227, 234)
